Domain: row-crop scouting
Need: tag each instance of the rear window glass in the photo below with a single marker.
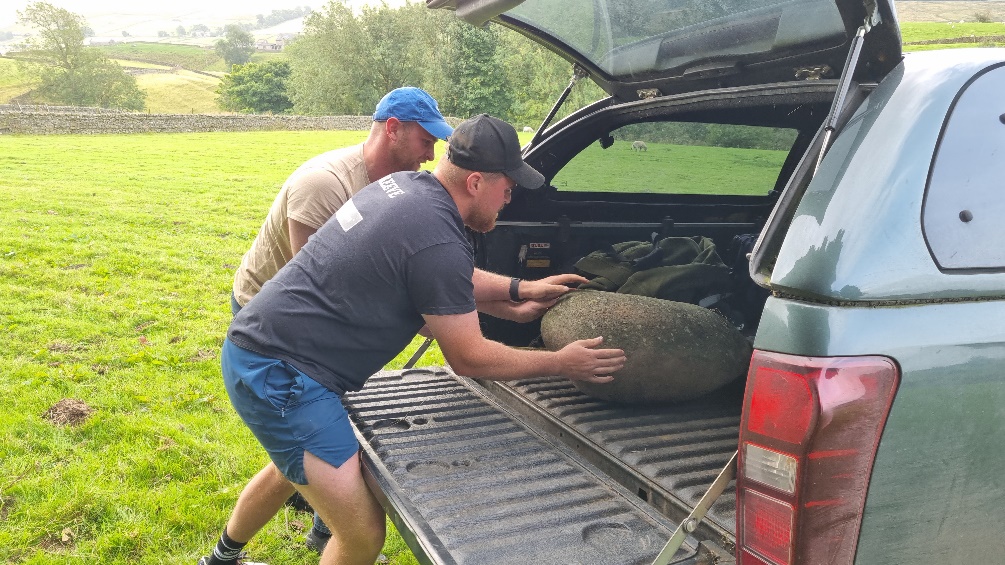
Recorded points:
(681, 158)
(965, 203)
(634, 38)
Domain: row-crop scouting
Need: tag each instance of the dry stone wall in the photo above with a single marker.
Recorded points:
(40, 120)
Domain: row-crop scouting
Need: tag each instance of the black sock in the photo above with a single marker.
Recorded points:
(226, 551)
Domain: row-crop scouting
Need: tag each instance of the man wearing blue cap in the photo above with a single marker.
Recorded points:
(406, 125)
(394, 257)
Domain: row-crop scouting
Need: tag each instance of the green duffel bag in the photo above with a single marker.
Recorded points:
(682, 269)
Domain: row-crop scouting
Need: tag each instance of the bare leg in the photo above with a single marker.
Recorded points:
(348, 508)
(259, 502)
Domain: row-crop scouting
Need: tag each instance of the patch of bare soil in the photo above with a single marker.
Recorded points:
(203, 355)
(58, 542)
(949, 10)
(6, 504)
(63, 347)
(68, 412)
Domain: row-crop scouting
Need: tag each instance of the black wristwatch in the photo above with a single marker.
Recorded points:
(514, 290)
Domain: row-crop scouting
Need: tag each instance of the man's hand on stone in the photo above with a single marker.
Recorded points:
(549, 288)
(583, 361)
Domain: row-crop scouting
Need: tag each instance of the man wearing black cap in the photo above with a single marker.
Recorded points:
(394, 258)
(406, 124)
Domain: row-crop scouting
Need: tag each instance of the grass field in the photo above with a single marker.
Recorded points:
(116, 258)
(185, 56)
(936, 31)
(12, 82)
(666, 168)
(179, 92)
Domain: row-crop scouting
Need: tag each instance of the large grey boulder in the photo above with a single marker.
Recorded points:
(676, 351)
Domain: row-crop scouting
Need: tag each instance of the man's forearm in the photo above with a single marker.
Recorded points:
(495, 361)
(490, 286)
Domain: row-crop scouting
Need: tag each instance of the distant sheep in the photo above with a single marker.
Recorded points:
(527, 129)
(639, 146)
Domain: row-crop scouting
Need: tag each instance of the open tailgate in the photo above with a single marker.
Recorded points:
(468, 480)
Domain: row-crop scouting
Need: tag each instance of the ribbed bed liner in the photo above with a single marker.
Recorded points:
(479, 477)
(676, 450)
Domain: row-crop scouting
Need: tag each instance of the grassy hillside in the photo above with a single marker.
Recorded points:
(185, 56)
(188, 57)
(179, 92)
(12, 83)
(115, 276)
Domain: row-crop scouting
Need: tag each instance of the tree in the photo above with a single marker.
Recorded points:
(237, 46)
(470, 66)
(344, 63)
(180, 31)
(536, 77)
(254, 87)
(68, 72)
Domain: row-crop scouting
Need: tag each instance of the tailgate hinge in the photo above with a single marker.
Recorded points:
(695, 517)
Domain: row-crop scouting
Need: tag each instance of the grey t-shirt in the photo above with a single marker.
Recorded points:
(353, 297)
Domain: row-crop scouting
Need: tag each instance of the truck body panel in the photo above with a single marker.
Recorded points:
(936, 486)
(857, 234)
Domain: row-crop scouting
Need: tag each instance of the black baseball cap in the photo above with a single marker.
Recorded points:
(490, 145)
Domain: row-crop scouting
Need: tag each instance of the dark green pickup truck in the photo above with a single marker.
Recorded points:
(861, 193)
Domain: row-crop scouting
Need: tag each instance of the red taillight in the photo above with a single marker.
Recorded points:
(769, 526)
(808, 438)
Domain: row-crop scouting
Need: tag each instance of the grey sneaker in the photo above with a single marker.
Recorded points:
(316, 541)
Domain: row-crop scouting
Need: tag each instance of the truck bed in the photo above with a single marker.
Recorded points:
(535, 472)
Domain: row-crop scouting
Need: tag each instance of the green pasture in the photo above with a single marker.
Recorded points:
(924, 31)
(116, 258)
(188, 57)
(191, 57)
(12, 81)
(667, 168)
(179, 92)
(130, 65)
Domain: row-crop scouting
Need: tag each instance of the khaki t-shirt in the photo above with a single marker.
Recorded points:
(311, 195)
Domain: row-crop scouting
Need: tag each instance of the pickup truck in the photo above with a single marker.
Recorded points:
(869, 428)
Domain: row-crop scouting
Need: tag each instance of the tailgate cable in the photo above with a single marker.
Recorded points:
(418, 353)
(844, 85)
(690, 523)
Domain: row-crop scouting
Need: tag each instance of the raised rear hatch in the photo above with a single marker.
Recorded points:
(637, 48)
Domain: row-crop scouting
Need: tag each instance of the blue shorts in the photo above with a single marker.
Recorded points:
(287, 411)
(235, 306)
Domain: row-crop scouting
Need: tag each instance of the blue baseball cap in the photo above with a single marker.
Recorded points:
(410, 104)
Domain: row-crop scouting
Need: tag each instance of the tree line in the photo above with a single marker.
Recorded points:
(345, 61)
(262, 21)
(342, 64)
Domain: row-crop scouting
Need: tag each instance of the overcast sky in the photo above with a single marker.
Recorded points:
(182, 9)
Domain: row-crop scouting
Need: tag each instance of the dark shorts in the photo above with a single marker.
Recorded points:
(288, 412)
